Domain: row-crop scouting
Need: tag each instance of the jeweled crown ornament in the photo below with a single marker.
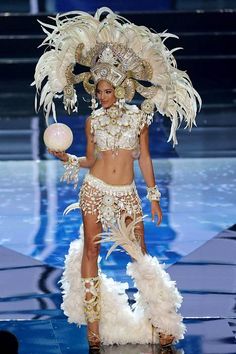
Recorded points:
(107, 67)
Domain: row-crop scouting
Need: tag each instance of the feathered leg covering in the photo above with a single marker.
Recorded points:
(157, 300)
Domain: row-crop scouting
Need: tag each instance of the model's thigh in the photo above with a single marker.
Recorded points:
(91, 229)
(139, 233)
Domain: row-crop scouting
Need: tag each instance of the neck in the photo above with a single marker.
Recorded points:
(114, 107)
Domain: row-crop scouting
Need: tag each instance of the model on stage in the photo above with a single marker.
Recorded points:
(122, 59)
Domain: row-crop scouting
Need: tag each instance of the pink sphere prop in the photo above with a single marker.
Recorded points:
(58, 137)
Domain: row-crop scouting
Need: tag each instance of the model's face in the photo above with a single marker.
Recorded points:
(105, 94)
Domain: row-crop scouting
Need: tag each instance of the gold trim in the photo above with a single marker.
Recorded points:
(70, 76)
(78, 52)
(147, 92)
(129, 85)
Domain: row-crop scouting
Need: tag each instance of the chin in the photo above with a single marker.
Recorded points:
(106, 105)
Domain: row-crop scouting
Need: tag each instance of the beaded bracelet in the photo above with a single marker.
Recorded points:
(153, 193)
(72, 167)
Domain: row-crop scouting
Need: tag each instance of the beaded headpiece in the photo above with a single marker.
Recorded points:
(121, 53)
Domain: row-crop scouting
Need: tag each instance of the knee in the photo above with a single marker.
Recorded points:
(91, 251)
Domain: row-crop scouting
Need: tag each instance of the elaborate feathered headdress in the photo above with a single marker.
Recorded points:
(117, 51)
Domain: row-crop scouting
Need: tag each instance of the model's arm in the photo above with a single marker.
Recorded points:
(89, 159)
(145, 162)
(146, 167)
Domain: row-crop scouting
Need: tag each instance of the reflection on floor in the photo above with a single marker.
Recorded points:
(195, 241)
(198, 201)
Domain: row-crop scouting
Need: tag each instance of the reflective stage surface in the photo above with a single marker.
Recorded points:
(196, 241)
(198, 201)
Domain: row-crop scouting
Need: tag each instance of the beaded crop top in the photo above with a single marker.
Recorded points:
(113, 132)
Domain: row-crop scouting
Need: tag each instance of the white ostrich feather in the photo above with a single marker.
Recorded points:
(122, 235)
(71, 207)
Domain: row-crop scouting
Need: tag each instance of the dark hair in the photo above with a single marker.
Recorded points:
(8, 343)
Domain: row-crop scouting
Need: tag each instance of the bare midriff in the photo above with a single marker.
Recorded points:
(115, 169)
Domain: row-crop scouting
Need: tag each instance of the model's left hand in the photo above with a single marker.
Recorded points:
(156, 210)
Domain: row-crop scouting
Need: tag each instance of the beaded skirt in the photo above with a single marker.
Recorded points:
(109, 202)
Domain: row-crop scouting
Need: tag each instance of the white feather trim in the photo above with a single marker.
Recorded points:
(156, 304)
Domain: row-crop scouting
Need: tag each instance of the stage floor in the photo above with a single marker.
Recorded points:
(196, 241)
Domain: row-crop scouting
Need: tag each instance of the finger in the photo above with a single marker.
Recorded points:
(51, 151)
(159, 220)
(60, 153)
(153, 215)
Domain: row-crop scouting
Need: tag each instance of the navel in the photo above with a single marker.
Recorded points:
(114, 170)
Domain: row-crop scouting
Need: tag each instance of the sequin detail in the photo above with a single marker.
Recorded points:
(108, 201)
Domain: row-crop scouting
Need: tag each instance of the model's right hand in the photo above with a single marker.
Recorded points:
(62, 155)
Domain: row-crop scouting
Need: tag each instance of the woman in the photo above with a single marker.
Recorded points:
(120, 57)
(118, 171)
